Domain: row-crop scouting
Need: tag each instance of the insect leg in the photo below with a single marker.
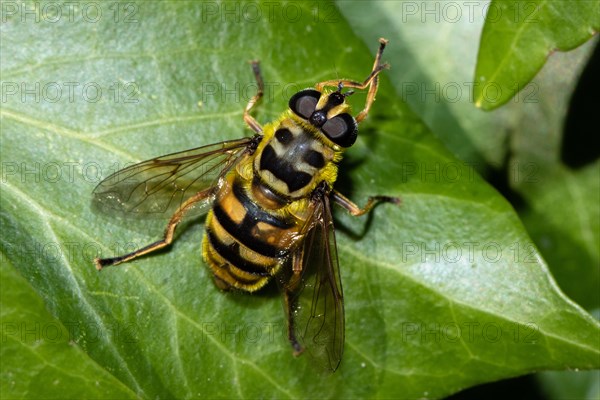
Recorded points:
(249, 119)
(355, 209)
(290, 298)
(290, 305)
(372, 82)
(165, 241)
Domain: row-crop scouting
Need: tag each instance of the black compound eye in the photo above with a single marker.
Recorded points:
(341, 130)
(304, 102)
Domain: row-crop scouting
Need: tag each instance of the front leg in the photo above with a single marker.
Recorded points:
(249, 119)
(354, 209)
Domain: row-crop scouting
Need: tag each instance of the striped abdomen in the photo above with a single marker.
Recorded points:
(245, 243)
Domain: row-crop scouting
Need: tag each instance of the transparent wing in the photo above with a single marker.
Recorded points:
(157, 187)
(316, 306)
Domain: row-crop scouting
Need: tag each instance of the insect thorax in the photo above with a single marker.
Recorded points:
(293, 158)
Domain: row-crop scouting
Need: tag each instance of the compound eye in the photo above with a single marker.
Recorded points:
(341, 130)
(304, 102)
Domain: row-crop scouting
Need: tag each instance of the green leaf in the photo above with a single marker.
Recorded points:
(525, 134)
(571, 385)
(521, 140)
(564, 221)
(433, 57)
(442, 293)
(39, 360)
(561, 213)
(519, 36)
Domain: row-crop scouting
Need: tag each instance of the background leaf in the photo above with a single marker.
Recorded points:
(517, 38)
(432, 70)
(560, 212)
(517, 147)
(580, 385)
(443, 292)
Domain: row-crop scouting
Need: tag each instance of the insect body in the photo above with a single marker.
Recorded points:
(269, 198)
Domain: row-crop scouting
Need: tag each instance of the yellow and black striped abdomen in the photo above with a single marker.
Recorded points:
(245, 243)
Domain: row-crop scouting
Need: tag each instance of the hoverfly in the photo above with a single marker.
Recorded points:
(268, 199)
